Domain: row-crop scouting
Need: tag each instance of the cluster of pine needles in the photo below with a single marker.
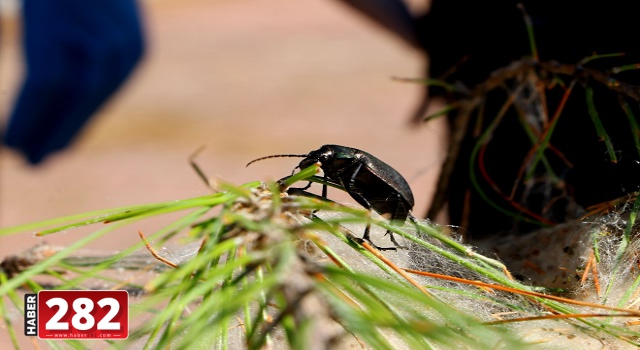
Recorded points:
(267, 269)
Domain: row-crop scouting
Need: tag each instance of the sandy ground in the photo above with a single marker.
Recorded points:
(243, 78)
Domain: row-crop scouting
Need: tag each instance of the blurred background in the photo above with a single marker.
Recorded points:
(243, 79)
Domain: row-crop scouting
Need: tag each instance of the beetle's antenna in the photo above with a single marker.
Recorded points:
(277, 156)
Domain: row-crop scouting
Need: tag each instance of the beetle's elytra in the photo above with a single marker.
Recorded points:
(371, 182)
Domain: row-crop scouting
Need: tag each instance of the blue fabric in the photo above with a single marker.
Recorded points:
(78, 53)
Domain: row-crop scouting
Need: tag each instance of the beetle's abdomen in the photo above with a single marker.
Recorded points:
(383, 198)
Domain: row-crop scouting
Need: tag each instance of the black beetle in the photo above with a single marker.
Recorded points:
(371, 182)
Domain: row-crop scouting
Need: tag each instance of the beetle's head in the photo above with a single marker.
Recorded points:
(324, 155)
(321, 155)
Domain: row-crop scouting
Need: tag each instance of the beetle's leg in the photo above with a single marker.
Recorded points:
(365, 237)
(365, 203)
(324, 187)
(283, 187)
(324, 192)
(350, 188)
(393, 240)
(395, 215)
